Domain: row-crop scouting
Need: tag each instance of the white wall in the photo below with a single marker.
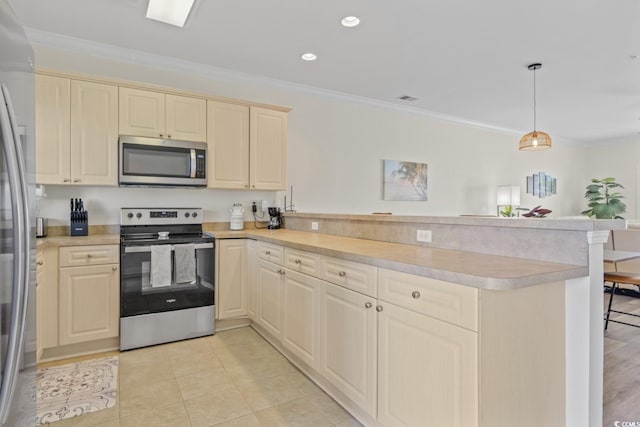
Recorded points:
(619, 159)
(336, 145)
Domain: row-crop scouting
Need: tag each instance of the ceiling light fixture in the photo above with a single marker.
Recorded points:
(535, 140)
(350, 21)
(309, 56)
(174, 12)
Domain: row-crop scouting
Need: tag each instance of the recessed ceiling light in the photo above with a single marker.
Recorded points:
(309, 56)
(174, 12)
(633, 57)
(350, 21)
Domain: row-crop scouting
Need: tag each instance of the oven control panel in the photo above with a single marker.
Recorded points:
(160, 216)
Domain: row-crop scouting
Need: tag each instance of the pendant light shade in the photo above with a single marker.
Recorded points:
(535, 140)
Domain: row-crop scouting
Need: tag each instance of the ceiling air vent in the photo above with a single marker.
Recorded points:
(407, 98)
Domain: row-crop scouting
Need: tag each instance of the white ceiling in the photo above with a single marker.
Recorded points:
(464, 59)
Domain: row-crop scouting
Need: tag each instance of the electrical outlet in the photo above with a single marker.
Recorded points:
(265, 205)
(423, 236)
(314, 225)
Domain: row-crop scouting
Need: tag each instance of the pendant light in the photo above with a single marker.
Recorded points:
(535, 140)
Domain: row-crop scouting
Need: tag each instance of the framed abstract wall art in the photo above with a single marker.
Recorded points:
(404, 180)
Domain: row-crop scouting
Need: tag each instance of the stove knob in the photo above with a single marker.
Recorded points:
(130, 215)
(138, 215)
(195, 214)
(186, 214)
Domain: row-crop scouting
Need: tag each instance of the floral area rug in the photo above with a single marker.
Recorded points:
(74, 389)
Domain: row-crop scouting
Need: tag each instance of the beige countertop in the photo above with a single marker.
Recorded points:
(466, 268)
(93, 239)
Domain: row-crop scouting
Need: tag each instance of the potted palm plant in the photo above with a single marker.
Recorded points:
(604, 201)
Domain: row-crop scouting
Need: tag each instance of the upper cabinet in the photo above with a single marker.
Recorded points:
(76, 132)
(247, 147)
(159, 115)
(228, 145)
(268, 149)
(53, 129)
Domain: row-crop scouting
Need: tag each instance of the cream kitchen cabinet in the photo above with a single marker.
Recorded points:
(89, 299)
(53, 129)
(427, 351)
(228, 145)
(349, 345)
(47, 298)
(233, 276)
(427, 371)
(269, 303)
(247, 147)
(251, 279)
(301, 330)
(267, 149)
(160, 115)
(76, 132)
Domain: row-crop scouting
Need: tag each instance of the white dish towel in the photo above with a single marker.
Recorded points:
(160, 266)
(185, 263)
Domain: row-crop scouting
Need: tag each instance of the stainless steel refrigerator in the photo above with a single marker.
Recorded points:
(17, 243)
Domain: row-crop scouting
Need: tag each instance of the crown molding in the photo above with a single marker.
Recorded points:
(132, 56)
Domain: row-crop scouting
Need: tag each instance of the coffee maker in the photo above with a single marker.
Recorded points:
(274, 220)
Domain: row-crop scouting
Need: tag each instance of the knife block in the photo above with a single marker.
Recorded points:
(79, 223)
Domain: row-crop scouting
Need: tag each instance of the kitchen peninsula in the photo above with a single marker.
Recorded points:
(494, 322)
(513, 305)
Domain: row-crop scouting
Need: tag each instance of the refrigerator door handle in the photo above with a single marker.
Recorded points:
(18, 188)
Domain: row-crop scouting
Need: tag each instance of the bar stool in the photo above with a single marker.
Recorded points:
(616, 277)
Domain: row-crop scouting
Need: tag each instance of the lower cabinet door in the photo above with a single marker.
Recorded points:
(232, 286)
(349, 344)
(251, 279)
(89, 303)
(301, 328)
(269, 309)
(427, 371)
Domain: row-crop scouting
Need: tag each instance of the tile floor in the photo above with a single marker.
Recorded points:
(234, 378)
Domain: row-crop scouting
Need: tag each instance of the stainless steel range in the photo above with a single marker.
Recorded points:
(166, 276)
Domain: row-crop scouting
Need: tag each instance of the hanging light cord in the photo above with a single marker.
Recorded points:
(534, 99)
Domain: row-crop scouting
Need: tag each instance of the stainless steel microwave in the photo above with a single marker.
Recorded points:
(161, 162)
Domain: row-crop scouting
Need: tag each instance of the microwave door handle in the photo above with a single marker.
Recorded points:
(193, 163)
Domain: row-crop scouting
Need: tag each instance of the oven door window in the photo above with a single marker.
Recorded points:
(145, 160)
(138, 296)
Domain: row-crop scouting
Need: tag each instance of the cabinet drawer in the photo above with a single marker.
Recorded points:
(302, 261)
(270, 252)
(352, 275)
(450, 302)
(74, 256)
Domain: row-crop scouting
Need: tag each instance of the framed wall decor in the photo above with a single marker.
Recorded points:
(404, 180)
(541, 185)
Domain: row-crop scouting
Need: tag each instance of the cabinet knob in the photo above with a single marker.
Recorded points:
(267, 252)
(298, 261)
(161, 135)
(168, 135)
(415, 294)
(114, 268)
(368, 304)
(246, 186)
(39, 262)
(89, 256)
(281, 272)
(342, 273)
(378, 308)
(66, 180)
(76, 180)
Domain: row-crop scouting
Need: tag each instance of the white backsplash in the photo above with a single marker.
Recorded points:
(104, 203)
